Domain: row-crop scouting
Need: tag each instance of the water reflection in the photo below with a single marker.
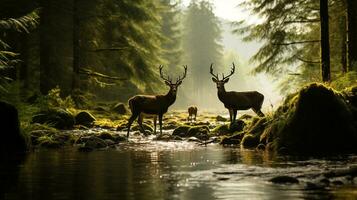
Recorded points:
(160, 170)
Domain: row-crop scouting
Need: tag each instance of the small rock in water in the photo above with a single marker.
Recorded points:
(219, 118)
(193, 139)
(313, 186)
(337, 182)
(284, 180)
(84, 118)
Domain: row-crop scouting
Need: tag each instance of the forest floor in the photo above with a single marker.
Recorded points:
(303, 124)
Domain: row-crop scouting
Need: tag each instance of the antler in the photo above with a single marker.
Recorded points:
(211, 71)
(232, 72)
(184, 75)
(162, 75)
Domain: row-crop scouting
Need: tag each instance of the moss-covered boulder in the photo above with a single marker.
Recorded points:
(92, 142)
(58, 118)
(219, 118)
(48, 142)
(238, 125)
(181, 130)
(84, 118)
(200, 132)
(250, 141)
(119, 108)
(316, 120)
(11, 139)
(221, 129)
(234, 139)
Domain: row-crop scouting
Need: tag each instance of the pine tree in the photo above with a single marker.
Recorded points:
(201, 43)
(171, 32)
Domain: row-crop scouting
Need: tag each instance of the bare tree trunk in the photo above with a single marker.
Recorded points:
(76, 48)
(351, 35)
(343, 27)
(325, 43)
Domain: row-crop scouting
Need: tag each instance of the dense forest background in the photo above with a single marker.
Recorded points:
(107, 50)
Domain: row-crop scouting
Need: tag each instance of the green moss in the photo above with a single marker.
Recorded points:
(181, 130)
(315, 120)
(221, 129)
(250, 141)
(235, 139)
(48, 142)
(106, 135)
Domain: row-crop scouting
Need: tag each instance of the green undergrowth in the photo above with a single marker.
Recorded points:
(315, 120)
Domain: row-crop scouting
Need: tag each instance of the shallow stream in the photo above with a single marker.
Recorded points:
(147, 169)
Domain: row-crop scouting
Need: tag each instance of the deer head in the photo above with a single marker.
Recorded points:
(168, 81)
(224, 80)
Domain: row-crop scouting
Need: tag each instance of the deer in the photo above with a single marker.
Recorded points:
(156, 105)
(192, 113)
(235, 101)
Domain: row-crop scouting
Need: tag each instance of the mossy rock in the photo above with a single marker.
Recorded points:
(234, 139)
(238, 125)
(316, 120)
(36, 134)
(48, 142)
(119, 108)
(106, 135)
(12, 140)
(200, 132)
(181, 130)
(58, 118)
(221, 130)
(250, 141)
(219, 118)
(92, 142)
(84, 118)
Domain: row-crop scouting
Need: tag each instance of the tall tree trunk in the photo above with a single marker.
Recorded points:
(352, 34)
(46, 82)
(76, 48)
(343, 44)
(325, 43)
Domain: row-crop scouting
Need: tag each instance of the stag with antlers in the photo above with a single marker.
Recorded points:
(154, 105)
(235, 101)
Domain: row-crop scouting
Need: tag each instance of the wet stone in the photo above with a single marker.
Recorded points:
(284, 180)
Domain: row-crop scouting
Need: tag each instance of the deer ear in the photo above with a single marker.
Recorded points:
(226, 80)
(214, 79)
(179, 83)
(167, 83)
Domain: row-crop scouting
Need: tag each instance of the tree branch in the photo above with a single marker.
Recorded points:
(302, 21)
(110, 49)
(298, 42)
(308, 61)
(89, 72)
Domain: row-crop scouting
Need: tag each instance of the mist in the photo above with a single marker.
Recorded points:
(233, 50)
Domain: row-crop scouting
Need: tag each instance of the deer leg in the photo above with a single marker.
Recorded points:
(140, 122)
(258, 112)
(160, 123)
(131, 120)
(155, 118)
(234, 115)
(230, 115)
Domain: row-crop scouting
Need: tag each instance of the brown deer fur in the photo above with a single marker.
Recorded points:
(235, 101)
(153, 104)
(192, 113)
